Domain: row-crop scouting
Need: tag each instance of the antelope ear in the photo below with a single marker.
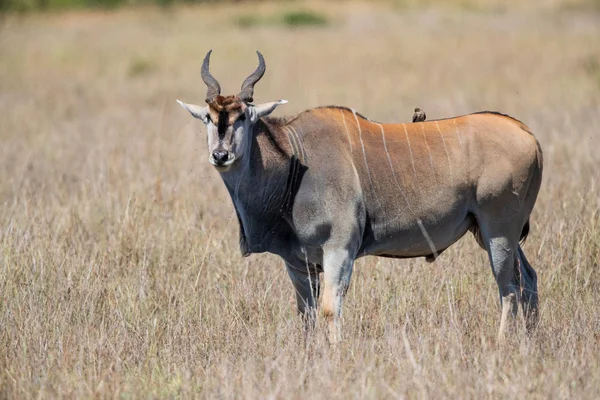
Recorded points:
(197, 112)
(262, 110)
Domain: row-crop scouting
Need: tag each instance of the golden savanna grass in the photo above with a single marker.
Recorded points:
(120, 274)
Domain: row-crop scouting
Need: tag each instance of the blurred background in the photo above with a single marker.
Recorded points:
(120, 273)
(496, 5)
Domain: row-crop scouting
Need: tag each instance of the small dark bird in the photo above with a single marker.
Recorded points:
(419, 115)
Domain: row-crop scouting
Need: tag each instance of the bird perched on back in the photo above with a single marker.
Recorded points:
(419, 115)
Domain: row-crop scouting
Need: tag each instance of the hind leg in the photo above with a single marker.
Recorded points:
(501, 242)
(529, 291)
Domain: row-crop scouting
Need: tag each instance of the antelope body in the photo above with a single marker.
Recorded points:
(328, 186)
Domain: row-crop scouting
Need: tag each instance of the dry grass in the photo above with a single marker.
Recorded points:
(120, 274)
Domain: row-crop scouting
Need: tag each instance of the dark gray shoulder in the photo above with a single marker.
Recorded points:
(244, 249)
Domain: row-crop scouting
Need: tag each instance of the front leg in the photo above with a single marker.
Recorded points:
(306, 286)
(337, 271)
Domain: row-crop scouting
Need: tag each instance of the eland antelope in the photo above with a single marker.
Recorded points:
(328, 186)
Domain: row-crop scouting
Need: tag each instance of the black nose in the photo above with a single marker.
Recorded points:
(220, 156)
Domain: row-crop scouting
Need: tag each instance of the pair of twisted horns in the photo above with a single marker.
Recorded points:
(214, 89)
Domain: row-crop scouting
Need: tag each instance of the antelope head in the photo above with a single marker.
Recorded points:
(230, 120)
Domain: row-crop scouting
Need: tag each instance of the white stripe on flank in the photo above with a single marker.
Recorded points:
(428, 238)
(347, 131)
(428, 150)
(302, 155)
(458, 134)
(362, 144)
(412, 160)
(392, 167)
(445, 149)
(292, 141)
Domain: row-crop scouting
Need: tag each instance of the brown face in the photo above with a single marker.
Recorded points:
(228, 123)
(229, 119)
(225, 127)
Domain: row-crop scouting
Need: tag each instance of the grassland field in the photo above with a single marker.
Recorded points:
(120, 274)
